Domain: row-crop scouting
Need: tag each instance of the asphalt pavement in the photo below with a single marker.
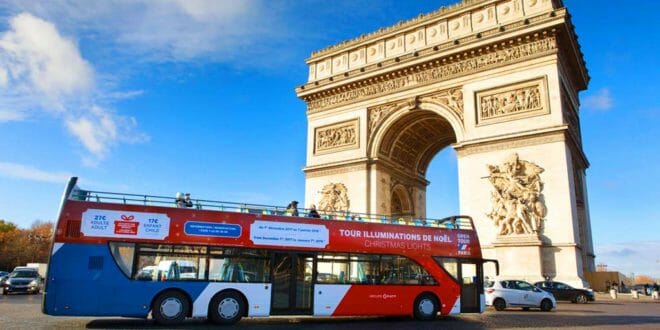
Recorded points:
(24, 312)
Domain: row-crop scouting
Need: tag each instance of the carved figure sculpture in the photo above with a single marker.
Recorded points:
(334, 198)
(517, 202)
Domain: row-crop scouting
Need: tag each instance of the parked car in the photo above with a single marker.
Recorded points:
(27, 280)
(3, 276)
(645, 289)
(504, 293)
(563, 291)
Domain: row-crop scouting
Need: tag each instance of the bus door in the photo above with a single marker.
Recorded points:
(292, 283)
(471, 285)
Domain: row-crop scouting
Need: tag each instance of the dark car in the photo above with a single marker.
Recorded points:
(3, 276)
(22, 281)
(566, 292)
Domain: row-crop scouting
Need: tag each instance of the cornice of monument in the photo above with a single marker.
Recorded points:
(444, 12)
(402, 26)
(462, 46)
(398, 80)
(509, 141)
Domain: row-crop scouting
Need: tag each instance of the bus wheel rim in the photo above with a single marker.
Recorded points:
(228, 308)
(426, 306)
(171, 308)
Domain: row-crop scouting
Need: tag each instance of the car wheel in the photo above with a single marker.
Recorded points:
(426, 307)
(499, 304)
(171, 307)
(546, 305)
(227, 308)
(581, 299)
(4, 292)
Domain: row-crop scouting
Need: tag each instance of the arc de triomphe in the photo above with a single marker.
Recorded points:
(498, 81)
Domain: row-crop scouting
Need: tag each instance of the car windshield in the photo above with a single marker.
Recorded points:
(23, 274)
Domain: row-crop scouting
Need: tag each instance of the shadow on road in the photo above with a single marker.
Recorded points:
(491, 320)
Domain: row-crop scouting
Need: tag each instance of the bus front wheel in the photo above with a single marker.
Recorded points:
(171, 307)
(227, 308)
(426, 307)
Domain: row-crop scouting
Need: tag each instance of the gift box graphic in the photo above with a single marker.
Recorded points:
(126, 226)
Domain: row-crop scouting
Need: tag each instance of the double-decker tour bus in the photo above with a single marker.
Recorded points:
(133, 255)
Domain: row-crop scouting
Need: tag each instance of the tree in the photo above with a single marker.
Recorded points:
(644, 279)
(21, 246)
(6, 226)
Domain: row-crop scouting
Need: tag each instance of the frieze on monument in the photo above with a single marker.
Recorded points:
(517, 202)
(336, 137)
(512, 102)
(435, 71)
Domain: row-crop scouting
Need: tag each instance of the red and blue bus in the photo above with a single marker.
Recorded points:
(133, 255)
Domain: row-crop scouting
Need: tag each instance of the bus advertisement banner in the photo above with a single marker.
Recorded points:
(289, 234)
(125, 224)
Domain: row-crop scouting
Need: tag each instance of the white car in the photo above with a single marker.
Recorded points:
(503, 293)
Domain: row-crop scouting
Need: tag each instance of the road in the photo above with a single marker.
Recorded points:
(23, 312)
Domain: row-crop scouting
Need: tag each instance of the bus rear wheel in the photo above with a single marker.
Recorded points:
(227, 308)
(171, 307)
(426, 307)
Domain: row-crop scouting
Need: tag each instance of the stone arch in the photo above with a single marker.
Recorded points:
(401, 205)
(393, 138)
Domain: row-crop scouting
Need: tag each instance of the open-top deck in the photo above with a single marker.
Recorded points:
(451, 222)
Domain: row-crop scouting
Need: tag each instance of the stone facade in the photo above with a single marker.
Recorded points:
(497, 80)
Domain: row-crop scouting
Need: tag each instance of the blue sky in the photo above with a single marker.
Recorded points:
(197, 96)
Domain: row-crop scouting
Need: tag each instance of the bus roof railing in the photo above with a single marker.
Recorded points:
(452, 222)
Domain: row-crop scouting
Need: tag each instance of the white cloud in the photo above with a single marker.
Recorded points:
(43, 70)
(19, 171)
(170, 30)
(631, 257)
(600, 100)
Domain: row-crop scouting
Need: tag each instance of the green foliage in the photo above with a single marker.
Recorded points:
(6, 226)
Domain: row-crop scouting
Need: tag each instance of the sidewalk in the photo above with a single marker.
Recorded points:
(623, 297)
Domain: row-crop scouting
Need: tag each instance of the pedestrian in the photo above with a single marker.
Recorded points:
(622, 287)
(292, 208)
(313, 213)
(607, 286)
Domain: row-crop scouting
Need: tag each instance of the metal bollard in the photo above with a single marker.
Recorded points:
(613, 293)
(656, 295)
(635, 294)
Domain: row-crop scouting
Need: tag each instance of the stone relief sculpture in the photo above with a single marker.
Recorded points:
(517, 202)
(336, 136)
(451, 98)
(517, 100)
(334, 198)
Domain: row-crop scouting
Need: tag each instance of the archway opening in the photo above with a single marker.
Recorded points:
(406, 150)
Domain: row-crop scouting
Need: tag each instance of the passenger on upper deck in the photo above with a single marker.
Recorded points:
(180, 201)
(292, 208)
(187, 201)
(312, 212)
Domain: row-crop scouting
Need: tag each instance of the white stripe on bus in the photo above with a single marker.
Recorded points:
(56, 246)
(327, 298)
(456, 309)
